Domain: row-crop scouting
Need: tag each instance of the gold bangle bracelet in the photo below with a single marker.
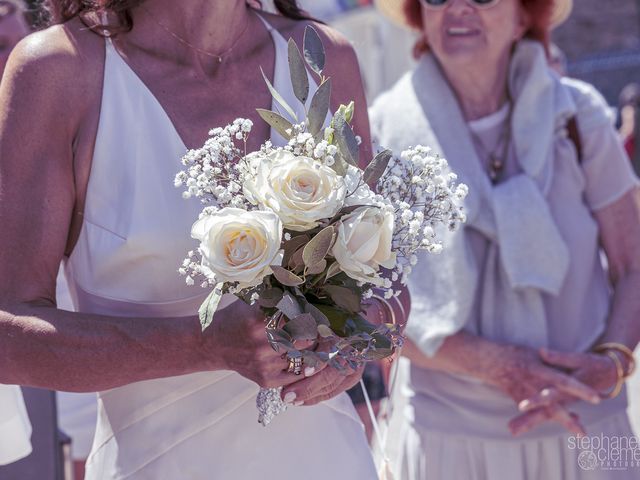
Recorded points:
(619, 373)
(624, 350)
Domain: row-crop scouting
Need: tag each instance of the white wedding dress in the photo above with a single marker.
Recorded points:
(134, 237)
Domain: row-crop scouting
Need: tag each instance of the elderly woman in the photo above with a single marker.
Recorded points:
(518, 340)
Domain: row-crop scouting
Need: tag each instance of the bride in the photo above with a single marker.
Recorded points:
(96, 112)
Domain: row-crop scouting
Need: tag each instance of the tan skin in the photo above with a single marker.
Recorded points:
(57, 74)
(469, 41)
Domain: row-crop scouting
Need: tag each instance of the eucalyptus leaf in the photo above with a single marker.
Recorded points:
(286, 277)
(209, 307)
(333, 270)
(377, 167)
(346, 140)
(314, 50)
(319, 317)
(337, 318)
(317, 268)
(318, 247)
(289, 306)
(291, 246)
(302, 327)
(298, 73)
(344, 297)
(278, 98)
(339, 166)
(311, 359)
(277, 121)
(319, 108)
(296, 261)
(324, 331)
(270, 297)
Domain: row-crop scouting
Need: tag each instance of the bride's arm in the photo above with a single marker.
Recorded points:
(44, 104)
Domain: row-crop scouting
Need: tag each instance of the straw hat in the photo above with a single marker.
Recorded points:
(394, 10)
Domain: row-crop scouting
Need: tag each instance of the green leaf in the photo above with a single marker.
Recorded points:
(296, 262)
(314, 50)
(286, 277)
(339, 166)
(333, 270)
(337, 318)
(324, 331)
(302, 327)
(376, 168)
(289, 306)
(298, 73)
(209, 306)
(277, 121)
(346, 140)
(344, 297)
(319, 108)
(318, 247)
(319, 317)
(317, 268)
(270, 297)
(291, 246)
(278, 98)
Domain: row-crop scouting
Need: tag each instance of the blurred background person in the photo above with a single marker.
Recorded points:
(13, 28)
(629, 103)
(516, 343)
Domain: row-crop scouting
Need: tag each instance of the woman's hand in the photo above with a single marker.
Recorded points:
(238, 340)
(595, 370)
(520, 373)
(321, 386)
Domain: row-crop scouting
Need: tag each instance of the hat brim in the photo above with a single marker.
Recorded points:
(394, 10)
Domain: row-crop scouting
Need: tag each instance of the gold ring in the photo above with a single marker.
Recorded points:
(294, 363)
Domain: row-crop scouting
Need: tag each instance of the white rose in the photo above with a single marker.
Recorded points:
(299, 189)
(239, 246)
(364, 243)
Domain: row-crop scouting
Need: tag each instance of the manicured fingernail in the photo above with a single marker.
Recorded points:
(289, 397)
(309, 371)
(297, 404)
(523, 405)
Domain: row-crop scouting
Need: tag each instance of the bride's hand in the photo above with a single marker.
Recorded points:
(321, 386)
(238, 341)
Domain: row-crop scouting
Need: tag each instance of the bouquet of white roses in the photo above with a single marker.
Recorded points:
(306, 234)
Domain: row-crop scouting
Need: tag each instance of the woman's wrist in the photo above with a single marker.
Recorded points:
(623, 353)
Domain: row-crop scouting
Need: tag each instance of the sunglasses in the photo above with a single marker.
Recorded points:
(438, 4)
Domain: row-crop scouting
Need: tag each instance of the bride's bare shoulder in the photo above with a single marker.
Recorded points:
(60, 59)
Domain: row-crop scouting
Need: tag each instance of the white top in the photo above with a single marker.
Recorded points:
(134, 237)
(15, 427)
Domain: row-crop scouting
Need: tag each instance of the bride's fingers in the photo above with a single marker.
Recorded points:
(347, 382)
(321, 386)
